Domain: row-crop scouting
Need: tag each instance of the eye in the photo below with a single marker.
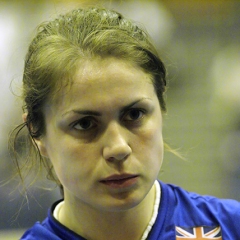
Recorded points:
(83, 124)
(134, 114)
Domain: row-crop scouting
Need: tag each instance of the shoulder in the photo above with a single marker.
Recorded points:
(188, 209)
(50, 229)
(203, 202)
(43, 230)
(39, 231)
(200, 203)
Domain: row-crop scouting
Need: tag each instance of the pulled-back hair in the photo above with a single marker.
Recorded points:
(62, 44)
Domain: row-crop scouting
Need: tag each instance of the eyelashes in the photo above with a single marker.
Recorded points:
(131, 116)
(84, 124)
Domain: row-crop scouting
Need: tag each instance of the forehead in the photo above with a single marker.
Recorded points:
(110, 71)
(100, 69)
(105, 78)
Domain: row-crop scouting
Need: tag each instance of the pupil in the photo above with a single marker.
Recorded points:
(134, 114)
(85, 123)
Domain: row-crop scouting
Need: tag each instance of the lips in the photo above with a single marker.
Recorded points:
(120, 181)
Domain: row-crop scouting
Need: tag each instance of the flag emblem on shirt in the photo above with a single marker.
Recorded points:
(194, 233)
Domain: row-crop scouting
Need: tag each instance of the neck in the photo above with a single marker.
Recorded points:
(129, 224)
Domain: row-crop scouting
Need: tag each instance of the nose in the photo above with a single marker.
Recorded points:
(116, 147)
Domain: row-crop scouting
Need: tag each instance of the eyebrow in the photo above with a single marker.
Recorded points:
(132, 104)
(84, 112)
(98, 114)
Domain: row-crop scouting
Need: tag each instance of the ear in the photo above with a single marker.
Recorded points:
(41, 146)
(24, 117)
(37, 141)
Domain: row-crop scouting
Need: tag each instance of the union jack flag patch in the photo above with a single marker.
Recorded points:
(194, 233)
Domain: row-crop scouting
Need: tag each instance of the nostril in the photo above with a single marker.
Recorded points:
(115, 144)
(111, 159)
(120, 157)
(117, 153)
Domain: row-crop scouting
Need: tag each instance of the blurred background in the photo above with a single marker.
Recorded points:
(199, 41)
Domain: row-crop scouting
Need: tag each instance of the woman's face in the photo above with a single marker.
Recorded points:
(104, 135)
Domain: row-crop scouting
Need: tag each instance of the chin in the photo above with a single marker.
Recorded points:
(122, 203)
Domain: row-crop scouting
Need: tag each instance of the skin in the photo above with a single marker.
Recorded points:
(109, 122)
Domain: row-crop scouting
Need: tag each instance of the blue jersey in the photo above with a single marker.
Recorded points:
(182, 215)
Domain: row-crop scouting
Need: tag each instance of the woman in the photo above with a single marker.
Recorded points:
(94, 97)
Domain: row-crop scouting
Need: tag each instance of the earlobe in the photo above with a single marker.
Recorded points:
(24, 117)
(37, 142)
(41, 146)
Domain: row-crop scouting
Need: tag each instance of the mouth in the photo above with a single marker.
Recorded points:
(120, 181)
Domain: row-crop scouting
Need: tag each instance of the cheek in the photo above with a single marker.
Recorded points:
(71, 160)
(152, 132)
(152, 141)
